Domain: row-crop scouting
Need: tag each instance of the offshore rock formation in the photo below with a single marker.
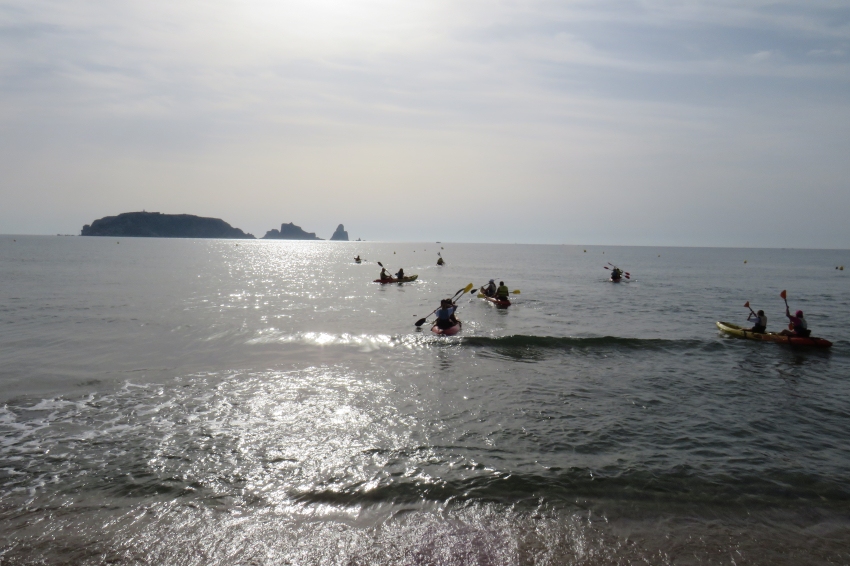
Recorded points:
(340, 235)
(290, 232)
(158, 225)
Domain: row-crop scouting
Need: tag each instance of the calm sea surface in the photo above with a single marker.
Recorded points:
(221, 402)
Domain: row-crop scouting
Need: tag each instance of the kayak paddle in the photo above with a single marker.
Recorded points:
(460, 292)
(747, 305)
(784, 296)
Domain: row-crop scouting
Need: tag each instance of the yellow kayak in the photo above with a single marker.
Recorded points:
(739, 332)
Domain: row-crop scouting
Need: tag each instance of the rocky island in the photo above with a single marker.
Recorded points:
(340, 235)
(290, 232)
(157, 225)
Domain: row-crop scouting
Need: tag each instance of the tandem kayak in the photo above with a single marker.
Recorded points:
(617, 280)
(450, 331)
(406, 279)
(739, 332)
(498, 302)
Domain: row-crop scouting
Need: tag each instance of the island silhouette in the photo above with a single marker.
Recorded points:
(158, 225)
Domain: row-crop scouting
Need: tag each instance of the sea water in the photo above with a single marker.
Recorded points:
(264, 402)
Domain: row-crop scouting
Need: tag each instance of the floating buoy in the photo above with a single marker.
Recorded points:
(841, 268)
(585, 251)
(117, 242)
(745, 261)
(393, 253)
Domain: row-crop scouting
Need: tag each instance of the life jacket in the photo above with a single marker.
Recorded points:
(503, 292)
(490, 291)
(762, 321)
(445, 313)
(801, 326)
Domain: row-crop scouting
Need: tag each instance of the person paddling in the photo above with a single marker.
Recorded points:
(616, 273)
(384, 274)
(440, 261)
(759, 321)
(490, 289)
(502, 293)
(400, 274)
(357, 259)
(801, 327)
(446, 315)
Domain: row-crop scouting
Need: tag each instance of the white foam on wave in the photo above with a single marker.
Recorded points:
(364, 342)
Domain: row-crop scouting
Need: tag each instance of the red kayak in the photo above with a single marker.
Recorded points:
(406, 279)
(450, 331)
(498, 302)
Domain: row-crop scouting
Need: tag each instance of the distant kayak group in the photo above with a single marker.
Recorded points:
(447, 324)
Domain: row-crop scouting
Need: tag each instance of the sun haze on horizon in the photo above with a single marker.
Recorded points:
(653, 122)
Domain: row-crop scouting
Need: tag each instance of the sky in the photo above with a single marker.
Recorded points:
(654, 122)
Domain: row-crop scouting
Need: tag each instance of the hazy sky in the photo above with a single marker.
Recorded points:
(653, 122)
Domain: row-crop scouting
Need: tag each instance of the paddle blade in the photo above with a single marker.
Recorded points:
(468, 288)
(783, 294)
(747, 305)
(627, 276)
(605, 267)
(515, 291)
(481, 295)
(421, 321)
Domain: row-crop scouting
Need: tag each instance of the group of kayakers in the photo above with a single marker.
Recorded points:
(387, 276)
(501, 292)
(447, 322)
(797, 323)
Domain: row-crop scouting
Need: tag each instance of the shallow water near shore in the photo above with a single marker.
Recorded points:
(264, 402)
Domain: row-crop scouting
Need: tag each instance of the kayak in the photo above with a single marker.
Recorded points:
(450, 331)
(739, 332)
(617, 280)
(406, 279)
(357, 260)
(498, 302)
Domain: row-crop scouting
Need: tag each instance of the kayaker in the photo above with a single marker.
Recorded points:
(441, 262)
(357, 259)
(502, 293)
(759, 321)
(446, 314)
(385, 274)
(400, 274)
(801, 327)
(490, 289)
(616, 273)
